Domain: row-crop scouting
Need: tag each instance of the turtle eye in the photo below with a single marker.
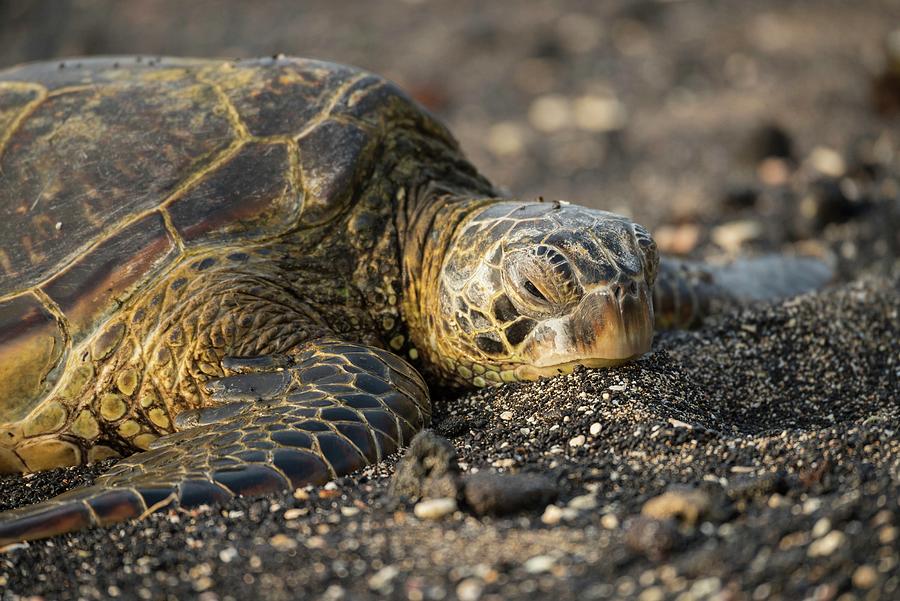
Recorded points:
(540, 281)
(529, 287)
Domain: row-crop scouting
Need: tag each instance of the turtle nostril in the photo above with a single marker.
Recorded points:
(632, 287)
(618, 291)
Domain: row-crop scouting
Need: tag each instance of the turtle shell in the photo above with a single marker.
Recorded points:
(112, 169)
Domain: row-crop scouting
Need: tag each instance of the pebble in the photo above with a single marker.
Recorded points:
(429, 468)
(283, 542)
(599, 113)
(550, 113)
(821, 528)
(774, 172)
(609, 521)
(827, 161)
(293, 514)
(554, 514)
(827, 545)
(768, 141)
(865, 576)
(506, 139)
(650, 537)
(733, 235)
(469, 589)
(595, 428)
(383, 577)
(539, 564)
(495, 493)
(435, 509)
(577, 441)
(506, 415)
(227, 554)
(583, 502)
(677, 239)
(687, 505)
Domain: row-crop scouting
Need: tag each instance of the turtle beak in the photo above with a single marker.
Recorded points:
(614, 323)
(610, 326)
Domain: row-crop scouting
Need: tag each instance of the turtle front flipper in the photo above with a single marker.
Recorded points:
(282, 422)
(685, 291)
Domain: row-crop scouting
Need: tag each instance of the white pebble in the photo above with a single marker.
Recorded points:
(827, 545)
(506, 415)
(538, 564)
(583, 502)
(595, 428)
(506, 139)
(827, 161)
(550, 113)
(383, 577)
(577, 441)
(434, 509)
(821, 528)
(599, 113)
(469, 590)
(227, 554)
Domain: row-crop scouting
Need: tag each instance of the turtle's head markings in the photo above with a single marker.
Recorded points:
(534, 289)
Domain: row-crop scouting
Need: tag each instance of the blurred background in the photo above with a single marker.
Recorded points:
(724, 126)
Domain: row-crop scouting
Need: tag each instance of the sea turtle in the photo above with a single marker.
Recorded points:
(222, 270)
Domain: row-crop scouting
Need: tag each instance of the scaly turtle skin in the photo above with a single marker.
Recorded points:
(214, 268)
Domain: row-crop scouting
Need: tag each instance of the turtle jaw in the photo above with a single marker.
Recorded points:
(611, 326)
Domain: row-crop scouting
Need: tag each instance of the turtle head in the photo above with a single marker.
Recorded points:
(535, 289)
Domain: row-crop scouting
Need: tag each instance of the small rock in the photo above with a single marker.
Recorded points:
(599, 113)
(654, 593)
(609, 521)
(577, 441)
(770, 140)
(677, 239)
(650, 537)
(827, 161)
(687, 505)
(469, 589)
(865, 576)
(539, 564)
(228, 554)
(595, 428)
(506, 139)
(494, 493)
(293, 514)
(283, 542)
(550, 113)
(383, 577)
(435, 509)
(825, 202)
(821, 528)
(583, 502)
(774, 172)
(428, 469)
(506, 415)
(827, 545)
(554, 514)
(741, 197)
(733, 235)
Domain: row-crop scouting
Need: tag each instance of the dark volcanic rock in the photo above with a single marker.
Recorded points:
(493, 493)
(429, 468)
